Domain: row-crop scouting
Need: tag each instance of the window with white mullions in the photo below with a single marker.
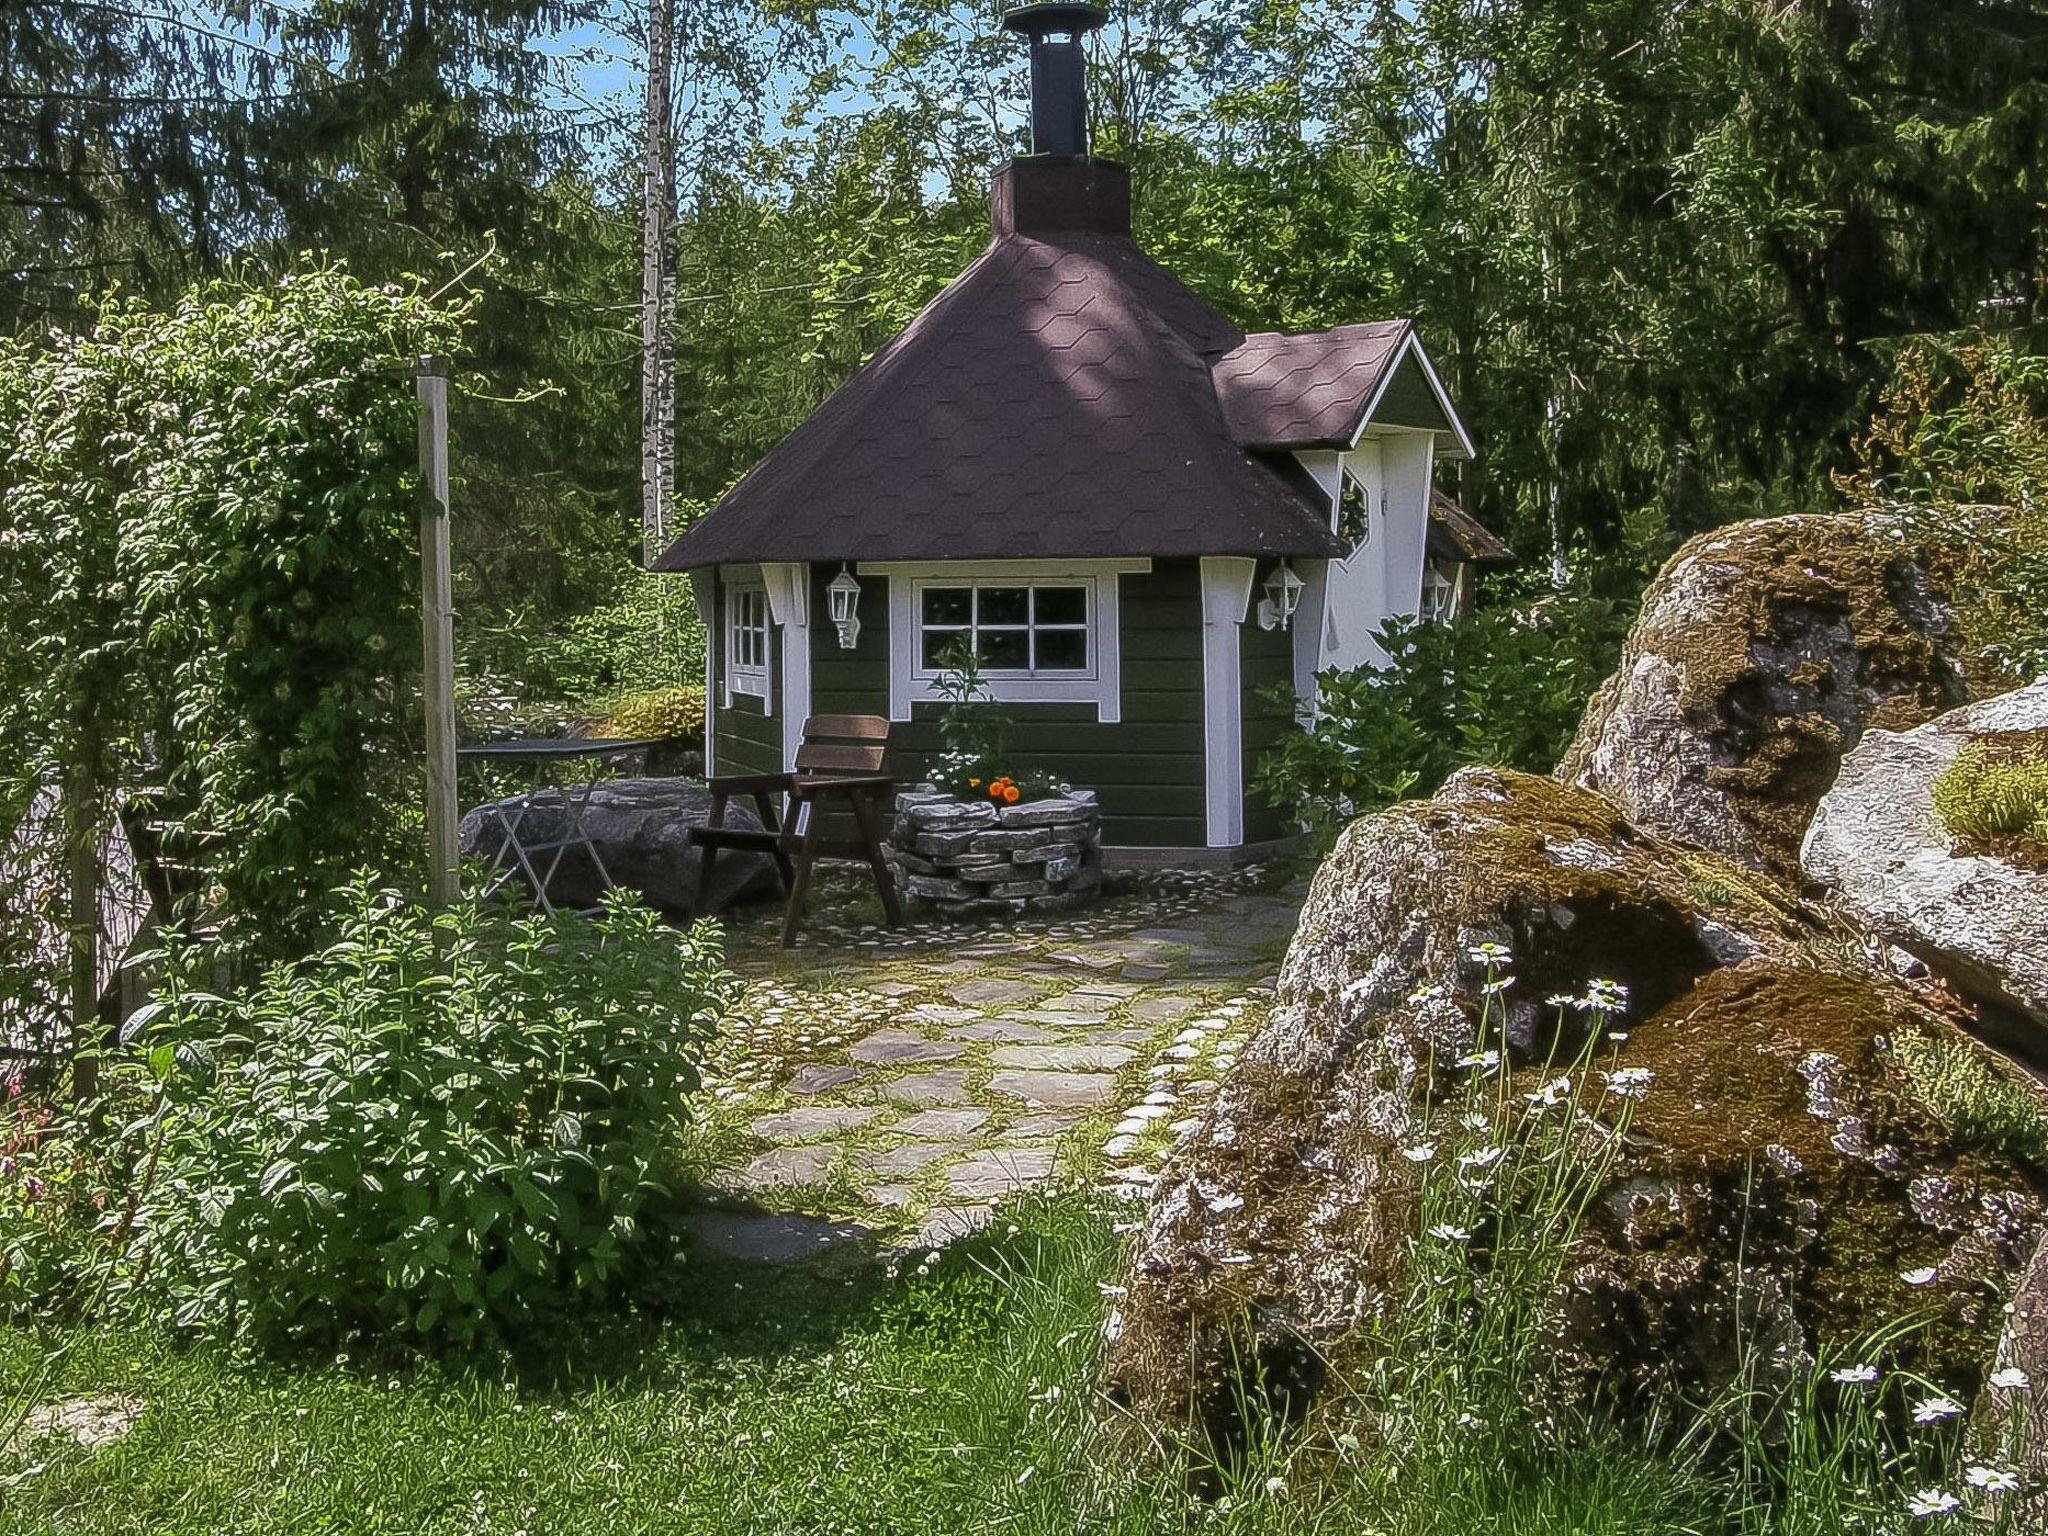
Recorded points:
(1015, 629)
(746, 641)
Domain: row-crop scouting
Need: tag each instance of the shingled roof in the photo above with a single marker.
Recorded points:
(1064, 397)
(1456, 535)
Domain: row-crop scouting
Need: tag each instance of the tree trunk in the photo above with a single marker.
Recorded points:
(657, 393)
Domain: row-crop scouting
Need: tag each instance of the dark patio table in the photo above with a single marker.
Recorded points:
(516, 854)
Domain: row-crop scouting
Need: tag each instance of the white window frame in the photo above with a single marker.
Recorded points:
(1100, 684)
(750, 678)
(1031, 628)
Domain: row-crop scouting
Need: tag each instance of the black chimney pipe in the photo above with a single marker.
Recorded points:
(1059, 86)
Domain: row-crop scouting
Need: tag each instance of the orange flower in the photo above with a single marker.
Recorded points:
(1011, 794)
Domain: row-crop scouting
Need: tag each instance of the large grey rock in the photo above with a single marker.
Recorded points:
(1878, 843)
(641, 830)
(1762, 653)
(1779, 1177)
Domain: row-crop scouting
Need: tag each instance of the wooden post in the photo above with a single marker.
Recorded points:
(437, 629)
(79, 819)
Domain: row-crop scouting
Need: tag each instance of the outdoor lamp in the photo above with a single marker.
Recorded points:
(1283, 596)
(845, 594)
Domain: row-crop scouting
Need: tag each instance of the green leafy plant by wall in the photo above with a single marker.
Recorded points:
(209, 588)
(437, 1132)
(977, 734)
(1997, 791)
(1503, 686)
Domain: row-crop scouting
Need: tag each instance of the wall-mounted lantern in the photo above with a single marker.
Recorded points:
(1283, 596)
(845, 594)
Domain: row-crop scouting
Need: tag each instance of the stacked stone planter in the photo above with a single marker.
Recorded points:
(972, 857)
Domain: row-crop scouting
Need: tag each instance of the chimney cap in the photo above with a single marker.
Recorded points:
(1055, 16)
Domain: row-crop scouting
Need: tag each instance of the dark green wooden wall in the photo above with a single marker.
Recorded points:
(746, 739)
(1266, 667)
(1147, 769)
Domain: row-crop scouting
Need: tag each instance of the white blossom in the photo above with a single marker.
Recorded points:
(1929, 1502)
(1936, 1409)
(1855, 1375)
(1922, 1276)
(2010, 1379)
(1422, 1152)
(1446, 1233)
(1992, 1479)
(1629, 1082)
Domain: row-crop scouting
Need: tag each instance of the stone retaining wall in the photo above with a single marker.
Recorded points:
(972, 856)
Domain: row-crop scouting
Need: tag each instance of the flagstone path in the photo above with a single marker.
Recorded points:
(902, 1083)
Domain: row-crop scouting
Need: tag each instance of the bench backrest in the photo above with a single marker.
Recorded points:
(851, 744)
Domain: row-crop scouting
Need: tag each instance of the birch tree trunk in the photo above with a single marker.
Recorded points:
(657, 382)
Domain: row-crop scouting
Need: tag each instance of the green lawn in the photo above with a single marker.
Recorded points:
(768, 1401)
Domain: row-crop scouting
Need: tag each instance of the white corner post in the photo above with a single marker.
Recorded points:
(789, 607)
(1226, 598)
(704, 593)
(437, 631)
(1308, 634)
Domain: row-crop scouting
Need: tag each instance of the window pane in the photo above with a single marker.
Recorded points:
(1005, 605)
(1062, 605)
(1062, 650)
(1002, 648)
(936, 644)
(947, 605)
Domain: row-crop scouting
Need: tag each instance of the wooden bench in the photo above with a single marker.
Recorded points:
(841, 756)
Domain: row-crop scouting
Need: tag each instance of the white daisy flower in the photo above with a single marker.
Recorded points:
(1936, 1409)
(1629, 1082)
(1489, 954)
(1855, 1375)
(1924, 1276)
(1444, 1232)
(2011, 1379)
(1992, 1479)
(1929, 1502)
(1485, 1157)
(1422, 1152)
(1495, 987)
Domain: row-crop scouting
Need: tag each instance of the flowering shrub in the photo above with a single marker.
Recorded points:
(976, 761)
(441, 1131)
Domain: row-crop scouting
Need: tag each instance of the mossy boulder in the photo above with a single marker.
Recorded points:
(1782, 1164)
(1973, 908)
(1763, 652)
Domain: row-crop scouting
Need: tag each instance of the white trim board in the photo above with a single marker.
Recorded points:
(1413, 343)
(789, 608)
(1101, 686)
(1226, 598)
(704, 593)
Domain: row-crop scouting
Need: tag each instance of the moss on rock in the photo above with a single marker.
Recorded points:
(1763, 652)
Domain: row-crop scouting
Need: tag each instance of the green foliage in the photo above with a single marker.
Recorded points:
(976, 733)
(53, 1197)
(211, 575)
(1984, 1104)
(656, 714)
(1996, 790)
(1503, 686)
(437, 1131)
(648, 640)
(1960, 439)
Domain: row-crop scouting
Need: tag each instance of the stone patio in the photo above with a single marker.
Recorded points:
(902, 1083)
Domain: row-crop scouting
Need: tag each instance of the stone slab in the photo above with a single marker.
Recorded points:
(945, 1224)
(895, 1162)
(1002, 1032)
(787, 1167)
(808, 1122)
(809, 1081)
(1077, 1056)
(940, 1123)
(926, 1088)
(992, 1174)
(902, 1048)
(994, 991)
(1056, 1090)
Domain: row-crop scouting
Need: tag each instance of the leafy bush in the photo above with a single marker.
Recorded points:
(209, 583)
(1503, 686)
(655, 714)
(440, 1131)
(1961, 438)
(53, 1195)
(1996, 790)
